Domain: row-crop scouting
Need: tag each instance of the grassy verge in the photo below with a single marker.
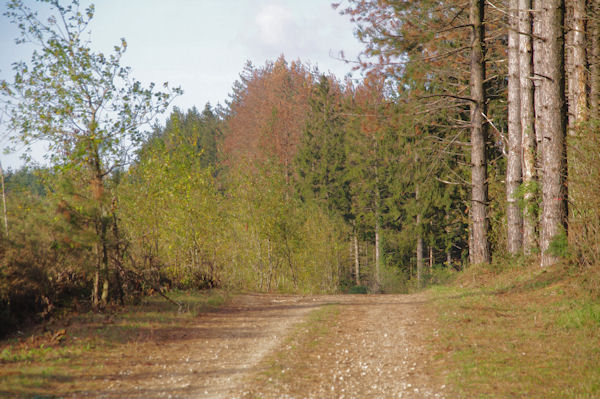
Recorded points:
(522, 332)
(57, 356)
(293, 366)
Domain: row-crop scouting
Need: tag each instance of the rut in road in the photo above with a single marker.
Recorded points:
(374, 352)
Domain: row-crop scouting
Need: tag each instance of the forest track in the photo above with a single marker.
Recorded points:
(374, 346)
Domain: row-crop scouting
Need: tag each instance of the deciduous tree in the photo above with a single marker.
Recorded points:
(84, 104)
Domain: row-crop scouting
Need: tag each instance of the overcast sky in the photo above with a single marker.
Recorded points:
(202, 45)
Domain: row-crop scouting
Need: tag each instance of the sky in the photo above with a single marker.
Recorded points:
(202, 45)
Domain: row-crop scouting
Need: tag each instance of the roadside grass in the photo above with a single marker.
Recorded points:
(295, 361)
(62, 357)
(519, 331)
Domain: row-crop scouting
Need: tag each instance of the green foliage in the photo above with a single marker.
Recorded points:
(170, 208)
(559, 246)
(289, 245)
(584, 315)
(529, 199)
(321, 159)
(393, 280)
(493, 326)
(198, 131)
(358, 289)
(584, 193)
(84, 104)
(25, 179)
(41, 266)
(441, 275)
(89, 110)
(251, 233)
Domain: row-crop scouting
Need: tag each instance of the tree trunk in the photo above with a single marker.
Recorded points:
(356, 259)
(538, 59)
(578, 104)
(377, 224)
(527, 125)
(419, 254)
(419, 241)
(513, 168)
(553, 121)
(377, 252)
(105, 272)
(430, 259)
(479, 195)
(594, 56)
(4, 202)
(96, 287)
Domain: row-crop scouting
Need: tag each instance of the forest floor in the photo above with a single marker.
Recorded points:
(494, 332)
(246, 346)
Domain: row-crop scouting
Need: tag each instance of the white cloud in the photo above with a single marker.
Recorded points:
(273, 22)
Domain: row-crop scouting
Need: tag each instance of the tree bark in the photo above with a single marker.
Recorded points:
(594, 56)
(538, 59)
(377, 225)
(419, 241)
(377, 252)
(578, 105)
(514, 168)
(527, 125)
(356, 259)
(430, 259)
(419, 252)
(4, 202)
(553, 121)
(479, 194)
(105, 272)
(96, 286)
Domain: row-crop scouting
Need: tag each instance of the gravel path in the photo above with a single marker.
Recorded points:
(373, 348)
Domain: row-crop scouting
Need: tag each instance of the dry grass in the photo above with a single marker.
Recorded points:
(296, 358)
(520, 332)
(72, 354)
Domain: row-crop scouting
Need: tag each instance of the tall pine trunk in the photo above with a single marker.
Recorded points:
(96, 286)
(594, 56)
(513, 168)
(578, 94)
(430, 260)
(479, 195)
(419, 237)
(356, 258)
(553, 121)
(105, 272)
(377, 254)
(527, 125)
(377, 248)
(419, 252)
(538, 59)
(4, 202)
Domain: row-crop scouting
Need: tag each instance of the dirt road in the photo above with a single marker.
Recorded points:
(371, 346)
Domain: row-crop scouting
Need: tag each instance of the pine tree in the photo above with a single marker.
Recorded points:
(321, 158)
